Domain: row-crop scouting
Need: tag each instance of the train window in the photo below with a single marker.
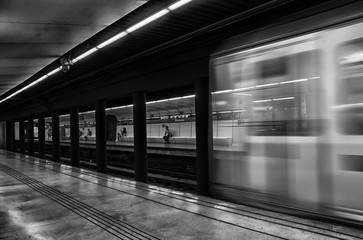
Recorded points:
(276, 95)
(273, 67)
(350, 97)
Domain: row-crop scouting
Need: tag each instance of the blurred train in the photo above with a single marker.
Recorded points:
(291, 97)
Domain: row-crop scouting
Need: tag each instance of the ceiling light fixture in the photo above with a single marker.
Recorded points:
(89, 52)
(147, 20)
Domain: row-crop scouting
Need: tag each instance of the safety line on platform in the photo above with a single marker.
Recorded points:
(116, 227)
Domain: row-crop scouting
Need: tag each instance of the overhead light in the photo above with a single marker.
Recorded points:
(294, 81)
(113, 39)
(37, 81)
(178, 4)
(54, 71)
(237, 111)
(267, 85)
(188, 96)
(284, 98)
(147, 20)
(262, 100)
(89, 52)
(31, 84)
(243, 89)
(225, 112)
(177, 98)
(223, 91)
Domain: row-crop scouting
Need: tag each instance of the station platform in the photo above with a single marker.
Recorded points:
(40, 199)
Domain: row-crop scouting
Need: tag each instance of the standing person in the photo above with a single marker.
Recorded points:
(167, 134)
(123, 132)
(49, 132)
(89, 133)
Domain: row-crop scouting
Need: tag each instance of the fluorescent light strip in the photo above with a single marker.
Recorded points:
(225, 112)
(223, 91)
(262, 100)
(314, 78)
(267, 85)
(163, 100)
(178, 4)
(237, 111)
(147, 20)
(111, 40)
(285, 98)
(37, 81)
(188, 96)
(294, 81)
(54, 71)
(31, 84)
(89, 52)
(242, 89)
(177, 98)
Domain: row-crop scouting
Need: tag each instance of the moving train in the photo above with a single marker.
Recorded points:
(291, 96)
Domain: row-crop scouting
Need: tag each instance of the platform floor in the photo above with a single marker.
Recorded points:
(44, 200)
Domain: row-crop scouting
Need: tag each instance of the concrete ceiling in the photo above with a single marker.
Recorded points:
(34, 33)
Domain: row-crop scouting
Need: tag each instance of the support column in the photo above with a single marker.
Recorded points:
(12, 136)
(30, 136)
(55, 136)
(204, 139)
(74, 122)
(101, 153)
(8, 135)
(140, 153)
(41, 136)
(21, 136)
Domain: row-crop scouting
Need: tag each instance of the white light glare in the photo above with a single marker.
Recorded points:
(111, 40)
(178, 4)
(294, 81)
(267, 85)
(89, 52)
(285, 98)
(223, 91)
(31, 84)
(37, 81)
(54, 71)
(263, 100)
(147, 20)
(225, 112)
(189, 96)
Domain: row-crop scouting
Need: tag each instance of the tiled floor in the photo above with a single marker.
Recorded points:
(45, 200)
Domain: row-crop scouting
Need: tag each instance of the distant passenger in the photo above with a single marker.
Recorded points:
(167, 134)
(123, 132)
(89, 133)
(80, 133)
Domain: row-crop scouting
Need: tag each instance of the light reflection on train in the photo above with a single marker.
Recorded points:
(294, 109)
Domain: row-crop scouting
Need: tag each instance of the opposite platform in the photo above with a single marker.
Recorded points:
(41, 199)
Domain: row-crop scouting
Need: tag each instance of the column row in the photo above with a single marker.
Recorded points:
(204, 139)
